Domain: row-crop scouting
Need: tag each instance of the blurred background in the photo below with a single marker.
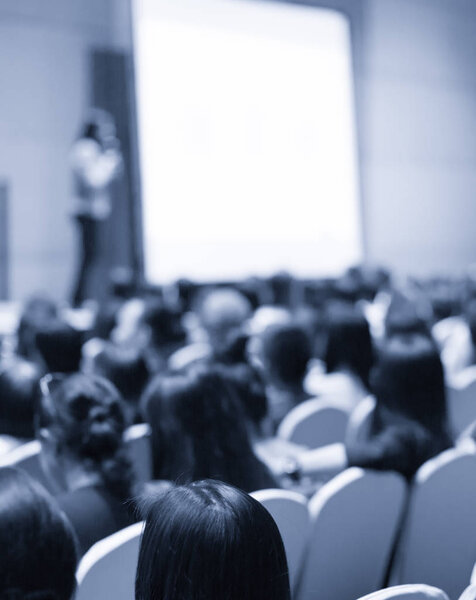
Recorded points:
(415, 123)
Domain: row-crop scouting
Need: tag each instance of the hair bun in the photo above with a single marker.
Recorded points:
(101, 436)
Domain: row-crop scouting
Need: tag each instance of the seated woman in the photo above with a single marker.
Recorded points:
(409, 424)
(199, 431)
(210, 540)
(348, 358)
(81, 425)
(251, 392)
(38, 549)
(283, 352)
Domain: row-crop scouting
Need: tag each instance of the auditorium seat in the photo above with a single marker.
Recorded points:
(469, 593)
(408, 592)
(289, 510)
(438, 544)
(354, 520)
(313, 424)
(27, 458)
(360, 421)
(137, 438)
(461, 394)
(108, 569)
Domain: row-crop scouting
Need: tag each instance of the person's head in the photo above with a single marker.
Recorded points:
(80, 425)
(124, 367)
(250, 391)
(37, 313)
(285, 353)
(18, 397)
(349, 344)
(223, 313)
(60, 345)
(408, 380)
(164, 324)
(210, 540)
(199, 430)
(38, 546)
(403, 318)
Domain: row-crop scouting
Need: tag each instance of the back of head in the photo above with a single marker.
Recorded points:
(36, 314)
(18, 396)
(165, 324)
(408, 380)
(125, 368)
(349, 343)
(403, 317)
(223, 313)
(83, 416)
(250, 390)
(208, 540)
(60, 347)
(199, 430)
(38, 549)
(286, 351)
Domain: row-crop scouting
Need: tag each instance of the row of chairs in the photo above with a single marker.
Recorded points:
(315, 423)
(340, 544)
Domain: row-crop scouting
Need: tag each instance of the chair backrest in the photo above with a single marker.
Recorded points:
(461, 398)
(469, 593)
(289, 510)
(27, 458)
(414, 591)
(354, 520)
(313, 423)
(137, 438)
(108, 568)
(438, 544)
(360, 421)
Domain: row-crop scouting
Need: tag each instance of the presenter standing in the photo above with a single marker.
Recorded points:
(96, 162)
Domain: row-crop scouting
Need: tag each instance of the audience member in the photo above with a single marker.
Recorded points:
(284, 354)
(37, 313)
(199, 431)
(126, 368)
(59, 346)
(348, 358)
(409, 424)
(211, 541)
(18, 396)
(80, 426)
(38, 548)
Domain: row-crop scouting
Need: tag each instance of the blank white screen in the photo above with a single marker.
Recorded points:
(247, 140)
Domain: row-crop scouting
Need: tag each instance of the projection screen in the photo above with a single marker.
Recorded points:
(246, 139)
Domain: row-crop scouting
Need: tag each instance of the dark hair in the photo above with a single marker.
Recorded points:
(408, 380)
(250, 390)
(38, 548)
(18, 397)
(37, 313)
(349, 344)
(199, 431)
(165, 324)
(60, 347)
(84, 414)
(287, 351)
(209, 540)
(125, 368)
